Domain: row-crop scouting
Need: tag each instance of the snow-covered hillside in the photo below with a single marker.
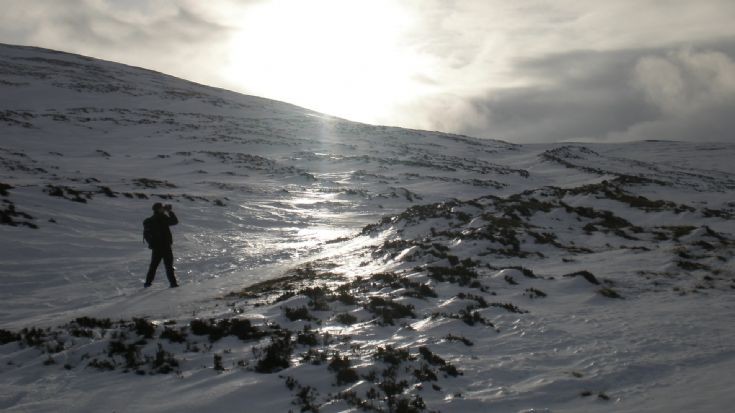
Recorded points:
(330, 266)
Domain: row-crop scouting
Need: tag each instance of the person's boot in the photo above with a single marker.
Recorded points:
(172, 281)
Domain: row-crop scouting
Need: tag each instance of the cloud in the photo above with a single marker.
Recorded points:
(525, 71)
(694, 92)
(684, 94)
(535, 71)
(578, 95)
(167, 35)
(687, 81)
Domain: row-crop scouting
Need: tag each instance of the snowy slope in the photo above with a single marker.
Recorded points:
(378, 268)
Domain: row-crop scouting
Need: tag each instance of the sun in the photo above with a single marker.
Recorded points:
(344, 58)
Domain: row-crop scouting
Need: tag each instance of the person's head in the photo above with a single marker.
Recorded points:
(158, 207)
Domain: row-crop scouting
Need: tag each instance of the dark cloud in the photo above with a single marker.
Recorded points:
(583, 94)
(683, 93)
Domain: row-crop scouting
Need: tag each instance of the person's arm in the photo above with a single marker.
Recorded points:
(172, 220)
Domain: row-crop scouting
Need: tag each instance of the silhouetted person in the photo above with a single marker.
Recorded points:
(158, 235)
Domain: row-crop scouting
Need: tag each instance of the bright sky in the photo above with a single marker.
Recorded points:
(526, 70)
(339, 57)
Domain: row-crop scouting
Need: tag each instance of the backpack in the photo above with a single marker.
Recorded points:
(148, 231)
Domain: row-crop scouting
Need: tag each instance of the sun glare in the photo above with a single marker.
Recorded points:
(343, 58)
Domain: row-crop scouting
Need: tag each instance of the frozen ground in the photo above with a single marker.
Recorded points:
(333, 266)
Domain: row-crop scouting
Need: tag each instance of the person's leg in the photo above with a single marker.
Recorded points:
(168, 261)
(156, 257)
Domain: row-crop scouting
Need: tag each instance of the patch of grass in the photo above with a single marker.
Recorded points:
(413, 289)
(217, 363)
(525, 271)
(276, 355)
(544, 238)
(709, 213)
(678, 231)
(4, 189)
(240, 328)
(393, 356)
(174, 336)
(285, 296)
(307, 337)
(101, 364)
(90, 322)
(318, 297)
(244, 330)
(8, 336)
(345, 296)
(202, 327)
(346, 318)
(481, 303)
(130, 353)
(144, 327)
(8, 214)
(164, 362)
(435, 360)
(609, 293)
(152, 183)
(420, 291)
(425, 373)
(268, 286)
(341, 366)
(465, 341)
(306, 399)
(413, 405)
(705, 245)
(692, 266)
(68, 193)
(534, 293)
(471, 318)
(299, 313)
(347, 376)
(584, 274)
(33, 336)
(314, 356)
(285, 283)
(107, 191)
(415, 214)
(457, 275)
(511, 308)
(389, 310)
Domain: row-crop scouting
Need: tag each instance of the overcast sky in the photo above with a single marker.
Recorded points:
(523, 71)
